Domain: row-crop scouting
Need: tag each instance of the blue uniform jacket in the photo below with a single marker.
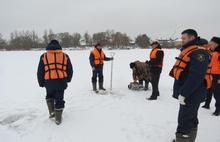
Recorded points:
(191, 83)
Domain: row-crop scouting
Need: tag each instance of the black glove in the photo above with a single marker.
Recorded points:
(111, 58)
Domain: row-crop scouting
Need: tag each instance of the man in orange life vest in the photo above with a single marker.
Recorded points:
(97, 58)
(190, 84)
(156, 64)
(54, 72)
(214, 46)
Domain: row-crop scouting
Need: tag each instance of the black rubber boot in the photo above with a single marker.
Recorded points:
(50, 105)
(192, 135)
(58, 116)
(153, 97)
(206, 106)
(217, 112)
(181, 138)
(101, 86)
(95, 87)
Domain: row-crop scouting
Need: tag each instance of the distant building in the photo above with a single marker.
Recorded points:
(170, 43)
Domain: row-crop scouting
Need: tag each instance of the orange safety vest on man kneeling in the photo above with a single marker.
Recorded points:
(55, 64)
(98, 57)
(182, 62)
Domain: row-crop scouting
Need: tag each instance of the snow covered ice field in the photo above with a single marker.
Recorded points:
(124, 116)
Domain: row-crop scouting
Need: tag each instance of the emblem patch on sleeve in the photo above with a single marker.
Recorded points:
(200, 57)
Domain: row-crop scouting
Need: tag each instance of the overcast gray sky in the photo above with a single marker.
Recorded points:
(156, 18)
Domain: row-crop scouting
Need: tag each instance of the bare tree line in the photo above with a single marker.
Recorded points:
(27, 40)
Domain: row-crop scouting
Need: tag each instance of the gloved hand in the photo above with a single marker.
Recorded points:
(93, 68)
(181, 100)
(111, 58)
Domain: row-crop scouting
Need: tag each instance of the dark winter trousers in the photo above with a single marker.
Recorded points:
(216, 91)
(58, 96)
(98, 72)
(208, 97)
(187, 118)
(155, 82)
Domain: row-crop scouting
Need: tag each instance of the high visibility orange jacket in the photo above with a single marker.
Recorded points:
(182, 62)
(99, 57)
(55, 64)
(215, 62)
(153, 56)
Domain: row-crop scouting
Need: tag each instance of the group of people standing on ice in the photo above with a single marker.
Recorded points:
(196, 74)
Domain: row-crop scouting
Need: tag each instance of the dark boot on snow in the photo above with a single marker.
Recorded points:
(146, 88)
(217, 112)
(58, 116)
(181, 138)
(101, 86)
(95, 88)
(206, 106)
(153, 97)
(50, 105)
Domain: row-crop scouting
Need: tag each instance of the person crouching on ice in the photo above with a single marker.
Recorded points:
(140, 73)
(54, 72)
(97, 58)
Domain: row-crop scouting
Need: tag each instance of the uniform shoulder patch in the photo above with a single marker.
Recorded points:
(200, 57)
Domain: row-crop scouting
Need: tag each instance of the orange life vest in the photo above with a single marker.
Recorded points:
(208, 77)
(182, 62)
(153, 55)
(55, 64)
(98, 57)
(215, 62)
